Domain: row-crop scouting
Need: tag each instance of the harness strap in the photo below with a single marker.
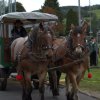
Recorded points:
(66, 65)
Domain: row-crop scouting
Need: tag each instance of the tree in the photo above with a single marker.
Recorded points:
(59, 30)
(52, 7)
(19, 7)
(71, 18)
(2, 7)
(94, 22)
(49, 10)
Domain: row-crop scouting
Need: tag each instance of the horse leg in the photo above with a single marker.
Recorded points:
(53, 82)
(74, 89)
(41, 84)
(27, 93)
(81, 76)
(27, 87)
(58, 77)
(67, 82)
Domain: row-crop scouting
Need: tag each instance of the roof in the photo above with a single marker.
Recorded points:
(11, 17)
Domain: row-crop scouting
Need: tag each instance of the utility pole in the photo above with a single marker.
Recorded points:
(90, 17)
(3, 6)
(15, 5)
(79, 13)
(9, 6)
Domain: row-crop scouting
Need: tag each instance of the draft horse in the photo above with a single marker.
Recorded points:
(74, 59)
(34, 64)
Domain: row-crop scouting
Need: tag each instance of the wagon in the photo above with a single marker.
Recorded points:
(6, 22)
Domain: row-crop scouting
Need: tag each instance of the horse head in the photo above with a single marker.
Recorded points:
(78, 37)
(44, 41)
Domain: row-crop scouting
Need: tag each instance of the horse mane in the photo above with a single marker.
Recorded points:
(39, 33)
(42, 27)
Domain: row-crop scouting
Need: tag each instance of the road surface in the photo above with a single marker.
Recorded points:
(13, 92)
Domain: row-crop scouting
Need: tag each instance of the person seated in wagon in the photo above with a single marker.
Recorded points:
(18, 30)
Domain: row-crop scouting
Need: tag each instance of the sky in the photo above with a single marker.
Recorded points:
(31, 5)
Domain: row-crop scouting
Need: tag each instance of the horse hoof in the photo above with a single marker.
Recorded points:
(55, 93)
(76, 97)
(35, 88)
(69, 97)
(42, 97)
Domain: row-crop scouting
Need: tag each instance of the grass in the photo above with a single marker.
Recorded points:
(92, 84)
(97, 12)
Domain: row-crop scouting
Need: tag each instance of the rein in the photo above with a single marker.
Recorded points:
(66, 65)
(77, 61)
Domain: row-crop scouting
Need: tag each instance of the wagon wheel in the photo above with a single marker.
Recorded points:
(3, 80)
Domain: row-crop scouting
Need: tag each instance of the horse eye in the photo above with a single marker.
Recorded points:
(44, 47)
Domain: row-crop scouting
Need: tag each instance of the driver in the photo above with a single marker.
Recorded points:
(18, 30)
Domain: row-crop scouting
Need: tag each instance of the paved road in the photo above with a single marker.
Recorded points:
(13, 92)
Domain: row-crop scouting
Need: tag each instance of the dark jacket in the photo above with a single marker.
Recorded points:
(93, 47)
(21, 32)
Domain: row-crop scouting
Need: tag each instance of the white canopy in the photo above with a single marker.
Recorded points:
(26, 16)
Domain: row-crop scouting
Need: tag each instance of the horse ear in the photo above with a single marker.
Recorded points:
(85, 25)
(72, 27)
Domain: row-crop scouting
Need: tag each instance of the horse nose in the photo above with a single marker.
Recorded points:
(78, 44)
(78, 49)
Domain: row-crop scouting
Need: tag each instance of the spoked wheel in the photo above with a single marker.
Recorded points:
(3, 80)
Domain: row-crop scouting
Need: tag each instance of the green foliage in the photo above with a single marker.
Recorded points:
(94, 23)
(97, 12)
(84, 10)
(2, 4)
(65, 9)
(87, 84)
(71, 18)
(54, 5)
(93, 83)
(19, 7)
(85, 13)
(94, 7)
